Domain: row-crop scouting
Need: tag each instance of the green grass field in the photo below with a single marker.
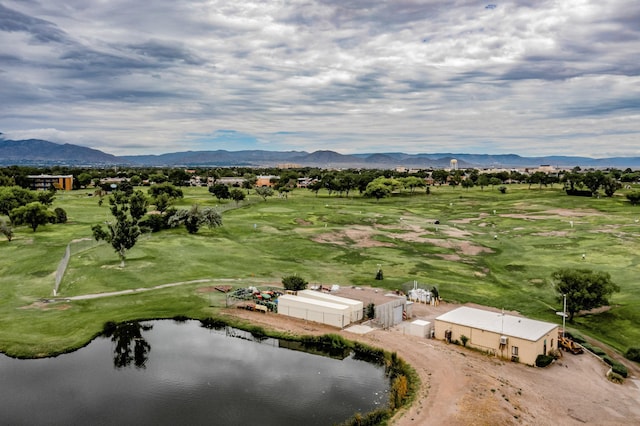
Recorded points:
(502, 259)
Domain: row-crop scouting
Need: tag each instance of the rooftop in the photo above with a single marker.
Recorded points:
(496, 322)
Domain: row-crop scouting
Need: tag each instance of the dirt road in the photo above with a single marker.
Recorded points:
(463, 387)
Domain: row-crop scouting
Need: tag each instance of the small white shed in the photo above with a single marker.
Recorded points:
(420, 328)
(356, 307)
(321, 311)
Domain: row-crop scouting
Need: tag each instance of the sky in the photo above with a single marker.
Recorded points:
(530, 77)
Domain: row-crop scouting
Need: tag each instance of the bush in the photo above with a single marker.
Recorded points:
(543, 360)
(620, 369)
(370, 311)
(596, 350)
(152, 223)
(633, 354)
(580, 193)
(464, 339)
(615, 378)
(555, 353)
(61, 215)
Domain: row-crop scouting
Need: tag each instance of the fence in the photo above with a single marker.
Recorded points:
(75, 246)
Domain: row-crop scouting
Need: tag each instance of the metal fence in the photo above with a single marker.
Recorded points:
(74, 247)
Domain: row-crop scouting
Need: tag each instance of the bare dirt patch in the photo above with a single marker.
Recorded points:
(462, 387)
(46, 306)
(362, 236)
(303, 222)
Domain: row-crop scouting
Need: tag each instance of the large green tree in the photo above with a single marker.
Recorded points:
(14, 196)
(195, 217)
(33, 214)
(294, 283)
(584, 289)
(123, 232)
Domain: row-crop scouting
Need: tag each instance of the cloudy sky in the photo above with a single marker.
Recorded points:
(530, 77)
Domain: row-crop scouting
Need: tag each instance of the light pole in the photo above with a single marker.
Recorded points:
(564, 312)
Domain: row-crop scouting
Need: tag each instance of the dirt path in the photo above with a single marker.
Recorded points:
(463, 387)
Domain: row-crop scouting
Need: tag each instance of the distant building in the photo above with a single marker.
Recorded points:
(453, 164)
(289, 166)
(507, 336)
(45, 182)
(265, 180)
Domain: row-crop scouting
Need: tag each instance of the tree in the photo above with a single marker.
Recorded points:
(165, 188)
(593, 180)
(610, 185)
(584, 289)
(124, 232)
(138, 204)
(14, 196)
(413, 182)
(220, 191)
(381, 187)
(264, 192)
(33, 214)
(633, 197)
(483, 180)
(83, 179)
(47, 197)
(6, 229)
(236, 195)
(294, 283)
(195, 217)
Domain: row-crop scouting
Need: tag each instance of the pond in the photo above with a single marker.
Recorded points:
(169, 373)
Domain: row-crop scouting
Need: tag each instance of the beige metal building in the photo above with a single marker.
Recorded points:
(507, 336)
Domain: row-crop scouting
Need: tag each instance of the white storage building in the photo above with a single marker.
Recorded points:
(420, 328)
(356, 306)
(322, 311)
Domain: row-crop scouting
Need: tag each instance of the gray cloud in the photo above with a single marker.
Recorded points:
(410, 75)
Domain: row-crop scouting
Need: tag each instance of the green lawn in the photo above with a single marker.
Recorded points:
(502, 259)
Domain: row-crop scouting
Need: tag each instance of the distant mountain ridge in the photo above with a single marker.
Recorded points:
(44, 153)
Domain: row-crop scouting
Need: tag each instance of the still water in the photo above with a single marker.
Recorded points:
(180, 373)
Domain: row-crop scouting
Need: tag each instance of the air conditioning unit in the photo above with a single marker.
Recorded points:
(504, 340)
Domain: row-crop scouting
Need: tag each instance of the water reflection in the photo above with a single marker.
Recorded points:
(199, 374)
(123, 335)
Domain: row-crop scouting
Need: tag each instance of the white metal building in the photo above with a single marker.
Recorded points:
(322, 311)
(508, 336)
(356, 306)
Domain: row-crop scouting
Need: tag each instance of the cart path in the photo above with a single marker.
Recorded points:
(143, 289)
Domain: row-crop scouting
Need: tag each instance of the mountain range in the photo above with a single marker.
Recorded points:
(36, 152)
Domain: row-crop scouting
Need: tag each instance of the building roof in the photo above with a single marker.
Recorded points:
(48, 176)
(496, 322)
(315, 302)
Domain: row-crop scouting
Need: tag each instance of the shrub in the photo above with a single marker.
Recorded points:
(615, 378)
(620, 369)
(633, 354)
(61, 215)
(152, 223)
(555, 353)
(596, 350)
(370, 311)
(464, 339)
(543, 360)
(373, 418)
